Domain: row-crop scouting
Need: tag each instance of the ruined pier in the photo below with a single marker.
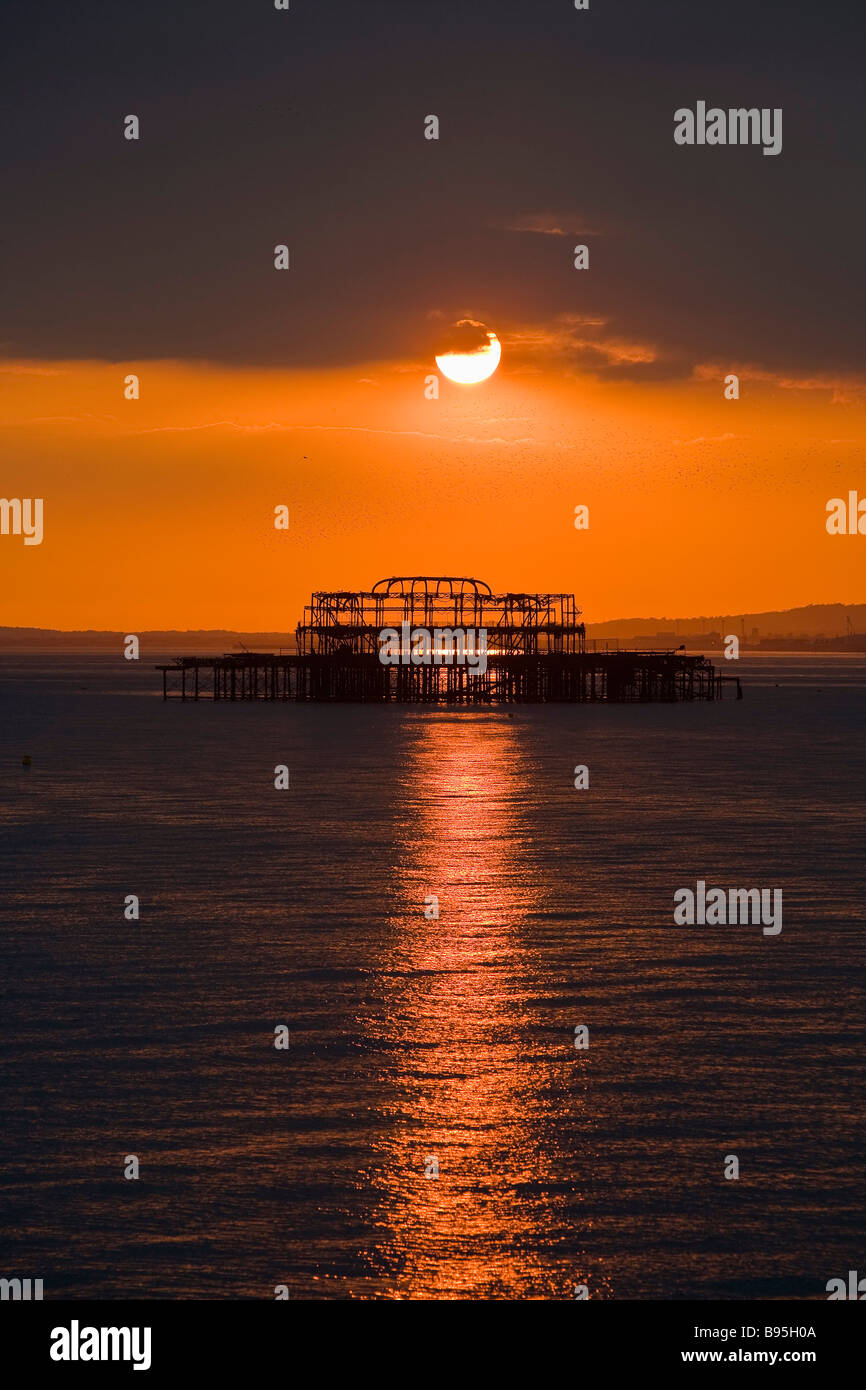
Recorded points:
(534, 652)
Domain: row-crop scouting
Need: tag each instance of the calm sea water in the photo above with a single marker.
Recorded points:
(412, 1039)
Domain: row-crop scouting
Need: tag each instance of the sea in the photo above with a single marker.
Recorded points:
(421, 1024)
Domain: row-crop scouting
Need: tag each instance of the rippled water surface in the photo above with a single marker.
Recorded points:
(414, 1039)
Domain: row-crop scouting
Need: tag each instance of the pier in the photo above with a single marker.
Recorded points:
(535, 652)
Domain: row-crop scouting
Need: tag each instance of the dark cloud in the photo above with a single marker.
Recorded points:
(467, 335)
(305, 127)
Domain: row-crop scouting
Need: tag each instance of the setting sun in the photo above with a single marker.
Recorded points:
(476, 363)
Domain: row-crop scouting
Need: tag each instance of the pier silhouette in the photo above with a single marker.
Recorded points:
(535, 651)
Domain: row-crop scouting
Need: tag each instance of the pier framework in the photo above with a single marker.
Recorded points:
(536, 652)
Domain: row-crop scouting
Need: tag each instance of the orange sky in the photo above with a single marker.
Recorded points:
(159, 512)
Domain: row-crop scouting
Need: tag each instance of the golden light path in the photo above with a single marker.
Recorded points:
(472, 1081)
(466, 368)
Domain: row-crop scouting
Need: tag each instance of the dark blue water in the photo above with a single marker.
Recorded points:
(414, 1039)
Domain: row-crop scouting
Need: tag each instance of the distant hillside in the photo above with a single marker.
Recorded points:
(815, 620)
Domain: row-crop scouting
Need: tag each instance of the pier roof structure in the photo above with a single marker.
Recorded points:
(516, 623)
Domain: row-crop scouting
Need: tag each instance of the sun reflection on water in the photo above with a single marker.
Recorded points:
(472, 1081)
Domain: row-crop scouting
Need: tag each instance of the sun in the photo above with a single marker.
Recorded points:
(472, 354)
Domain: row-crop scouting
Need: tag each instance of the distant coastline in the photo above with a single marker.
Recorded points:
(21, 639)
(828, 627)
